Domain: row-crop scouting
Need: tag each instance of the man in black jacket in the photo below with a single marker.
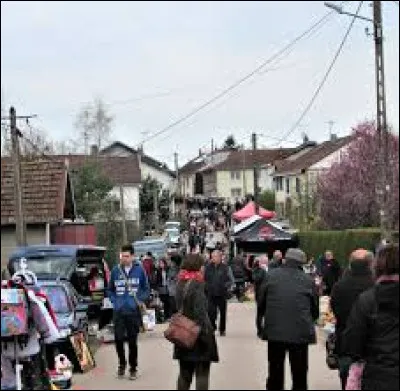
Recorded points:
(276, 260)
(219, 283)
(239, 273)
(329, 269)
(357, 279)
(290, 301)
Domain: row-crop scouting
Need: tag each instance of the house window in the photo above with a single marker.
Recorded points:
(235, 175)
(236, 193)
(279, 183)
(115, 205)
(298, 185)
(287, 185)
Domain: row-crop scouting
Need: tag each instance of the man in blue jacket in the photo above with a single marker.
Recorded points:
(128, 290)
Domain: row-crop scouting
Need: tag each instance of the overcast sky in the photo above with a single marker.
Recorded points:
(153, 62)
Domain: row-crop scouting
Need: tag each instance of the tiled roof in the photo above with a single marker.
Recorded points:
(145, 158)
(313, 156)
(44, 184)
(245, 159)
(192, 166)
(237, 159)
(121, 170)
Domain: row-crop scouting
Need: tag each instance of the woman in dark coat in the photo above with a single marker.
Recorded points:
(372, 332)
(196, 361)
(162, 283)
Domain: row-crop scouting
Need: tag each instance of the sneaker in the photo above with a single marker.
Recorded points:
(120, 372)
(133, 375)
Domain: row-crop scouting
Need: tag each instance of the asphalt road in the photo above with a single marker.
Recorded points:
(242, 366)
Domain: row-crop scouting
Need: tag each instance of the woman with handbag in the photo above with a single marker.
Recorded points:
(371, 337)
(192, 304)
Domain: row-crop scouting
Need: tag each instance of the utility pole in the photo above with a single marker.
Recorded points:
(123, 217)
(16, 159)
(177, 184)
(383, 151)
(244, 172)
(155, 210)
(255, 172)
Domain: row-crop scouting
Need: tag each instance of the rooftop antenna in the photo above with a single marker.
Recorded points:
(330, 123)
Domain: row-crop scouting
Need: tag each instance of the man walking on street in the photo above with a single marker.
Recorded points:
(355, 281)
(219, 284)
(128, 290)
(290, 301)
(330, 271)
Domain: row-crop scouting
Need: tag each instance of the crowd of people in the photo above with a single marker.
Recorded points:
(287, 287)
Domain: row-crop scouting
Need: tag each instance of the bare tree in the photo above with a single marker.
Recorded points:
(35, 142)
(94, 124)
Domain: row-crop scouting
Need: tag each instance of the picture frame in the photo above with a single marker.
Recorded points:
(83, 354)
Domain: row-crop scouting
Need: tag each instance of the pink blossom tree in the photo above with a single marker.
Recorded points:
(346, 193)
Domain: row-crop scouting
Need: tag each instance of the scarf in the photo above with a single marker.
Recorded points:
(186, 275)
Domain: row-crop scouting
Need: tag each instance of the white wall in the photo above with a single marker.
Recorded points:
(131, 201)
(167, 181)
(266, 179)
(328, 161)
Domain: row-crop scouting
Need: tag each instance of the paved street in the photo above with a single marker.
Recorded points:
(242, 361)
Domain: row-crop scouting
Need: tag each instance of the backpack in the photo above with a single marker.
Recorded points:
(15, 318)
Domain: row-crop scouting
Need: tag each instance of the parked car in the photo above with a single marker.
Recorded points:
(80, 265)
(70, 308)
(173, 225)
(157, 247)
(173, 237)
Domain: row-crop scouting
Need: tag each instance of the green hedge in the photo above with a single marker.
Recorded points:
(342, 243)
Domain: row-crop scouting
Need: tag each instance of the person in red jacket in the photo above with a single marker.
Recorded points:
(148, 265)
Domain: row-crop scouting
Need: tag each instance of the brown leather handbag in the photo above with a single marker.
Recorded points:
(182, 331)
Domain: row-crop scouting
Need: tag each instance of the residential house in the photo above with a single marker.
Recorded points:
(188, 186)
(47, 200)
(229, 174)
(124, 173)
(149, 167)
(296, 176)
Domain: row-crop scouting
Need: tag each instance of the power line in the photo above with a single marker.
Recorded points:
(239, 82)
(327, 73)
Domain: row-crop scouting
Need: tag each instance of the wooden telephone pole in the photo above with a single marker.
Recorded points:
(383, 151)
(255, 173)
(16, 161)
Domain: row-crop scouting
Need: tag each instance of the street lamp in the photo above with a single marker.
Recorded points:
(339, 10)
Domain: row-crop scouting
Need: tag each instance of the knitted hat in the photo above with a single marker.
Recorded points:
(297, 255)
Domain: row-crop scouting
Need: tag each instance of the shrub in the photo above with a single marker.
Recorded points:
(342, 243)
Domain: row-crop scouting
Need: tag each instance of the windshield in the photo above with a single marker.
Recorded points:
(173, 233)
(58, 265)
(58, 299)
(172, 225)
(158, 250)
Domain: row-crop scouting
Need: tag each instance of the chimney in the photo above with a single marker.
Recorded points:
(94, 150)
(334, 137)
(200, 152)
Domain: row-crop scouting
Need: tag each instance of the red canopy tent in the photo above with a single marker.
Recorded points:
(250, 210)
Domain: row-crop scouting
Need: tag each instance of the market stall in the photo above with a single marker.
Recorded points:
(250, 210)
(257, 235)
